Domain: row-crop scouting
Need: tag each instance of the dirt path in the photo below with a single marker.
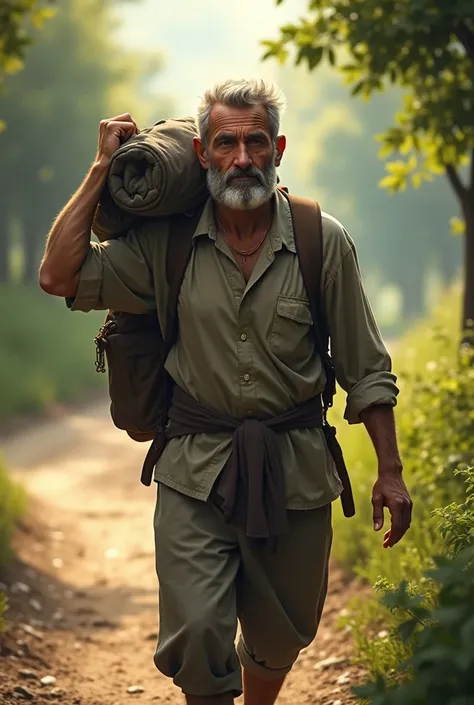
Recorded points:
(83, 593)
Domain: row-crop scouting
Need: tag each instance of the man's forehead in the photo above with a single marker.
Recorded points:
(227, 118)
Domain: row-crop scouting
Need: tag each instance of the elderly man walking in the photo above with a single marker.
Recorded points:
(245, 350)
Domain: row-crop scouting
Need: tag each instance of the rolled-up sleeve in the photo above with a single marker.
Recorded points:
(117, 275)
(362, 363)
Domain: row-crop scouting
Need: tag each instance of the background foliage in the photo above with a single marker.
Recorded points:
(18, 21)
(76, 73)
(436, 423)
(404, 242)
(12, 507)
(427, 51)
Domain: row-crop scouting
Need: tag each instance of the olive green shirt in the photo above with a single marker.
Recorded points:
(246, 349)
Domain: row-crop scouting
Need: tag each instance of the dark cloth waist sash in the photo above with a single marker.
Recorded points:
(251, 486)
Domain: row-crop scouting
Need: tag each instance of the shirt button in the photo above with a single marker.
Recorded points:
(243, 337)
(246, 377)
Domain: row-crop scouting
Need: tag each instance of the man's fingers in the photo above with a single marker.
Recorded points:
(126, 117)
(125, 121)
(390, 491)
(400, 511)
(123, 125)
(377, 503)
(123, 130)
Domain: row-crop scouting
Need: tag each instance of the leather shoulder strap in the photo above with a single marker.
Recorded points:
(178, 253)
(308, 232)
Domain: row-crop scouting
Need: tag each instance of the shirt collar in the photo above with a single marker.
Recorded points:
(281, 233)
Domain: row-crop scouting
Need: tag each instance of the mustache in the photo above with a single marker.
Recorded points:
(250, 172)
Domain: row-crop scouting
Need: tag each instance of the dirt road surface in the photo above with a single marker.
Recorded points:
(83, 592)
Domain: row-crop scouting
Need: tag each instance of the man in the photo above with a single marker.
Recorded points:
(245, 349)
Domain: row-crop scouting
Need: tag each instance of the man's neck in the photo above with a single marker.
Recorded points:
(244, 224)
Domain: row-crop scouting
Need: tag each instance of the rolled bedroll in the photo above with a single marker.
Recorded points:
(154, 174)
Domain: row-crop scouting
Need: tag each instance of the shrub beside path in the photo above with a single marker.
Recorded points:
(83, 592)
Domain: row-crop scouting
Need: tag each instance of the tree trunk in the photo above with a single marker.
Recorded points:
(468, 302)
(465, 194)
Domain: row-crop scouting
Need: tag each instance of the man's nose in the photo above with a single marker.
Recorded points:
(242, 158)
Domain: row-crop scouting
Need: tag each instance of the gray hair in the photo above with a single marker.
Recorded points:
(242, 93)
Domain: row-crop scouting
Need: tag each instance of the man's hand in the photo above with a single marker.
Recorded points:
(390, 491)
(112, 133)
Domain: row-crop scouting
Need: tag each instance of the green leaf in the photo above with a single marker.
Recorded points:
(399, 167)
(391, 183)
(350, 73)
(289, 31)
(458, 226)
(42, 15)
(385, 151)
(275, 50)
(12, 64)
(433, 653)
(371, 689)
(358, 88)
(407, 629)
(314, 56)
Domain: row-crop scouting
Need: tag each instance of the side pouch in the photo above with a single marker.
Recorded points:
(135, 353)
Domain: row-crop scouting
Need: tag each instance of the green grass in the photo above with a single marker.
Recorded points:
(46, 352)
(426, 439)
(435, 420)
(12, 507)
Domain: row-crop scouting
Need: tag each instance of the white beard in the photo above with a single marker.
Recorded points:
(242, 196)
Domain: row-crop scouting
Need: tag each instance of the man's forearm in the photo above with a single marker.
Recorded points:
(379, 421)
(68, 241)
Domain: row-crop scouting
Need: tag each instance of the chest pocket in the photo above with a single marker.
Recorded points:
(291, 335)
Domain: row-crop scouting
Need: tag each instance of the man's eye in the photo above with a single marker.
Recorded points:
(256, 140)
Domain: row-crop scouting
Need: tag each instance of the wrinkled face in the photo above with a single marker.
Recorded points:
(240, 157)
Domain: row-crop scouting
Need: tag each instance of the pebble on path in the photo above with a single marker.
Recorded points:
(135, 689)
(48, 680)
(22, 692)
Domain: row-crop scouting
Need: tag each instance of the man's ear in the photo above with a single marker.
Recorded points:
(200, 152)
(280, 149)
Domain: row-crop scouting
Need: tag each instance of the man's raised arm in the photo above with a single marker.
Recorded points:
(68, 241)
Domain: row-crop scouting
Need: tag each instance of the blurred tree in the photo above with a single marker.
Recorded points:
(76, 75)
(428, 50)
(332, 156)
(18, 19)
